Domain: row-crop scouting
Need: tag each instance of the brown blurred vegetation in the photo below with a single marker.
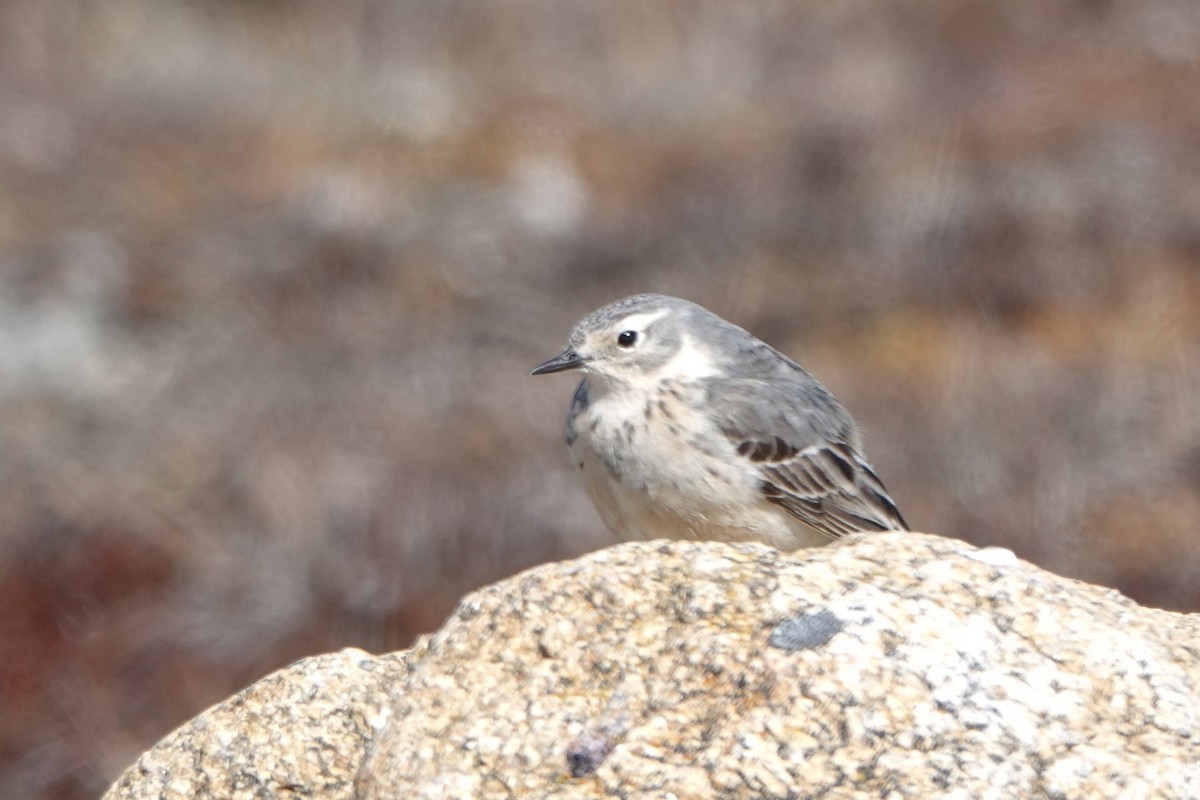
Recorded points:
(272, 274)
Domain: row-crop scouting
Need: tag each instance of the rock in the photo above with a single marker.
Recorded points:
(302, 730)
(893, 665)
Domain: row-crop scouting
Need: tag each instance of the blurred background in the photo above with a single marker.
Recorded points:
(272, 275)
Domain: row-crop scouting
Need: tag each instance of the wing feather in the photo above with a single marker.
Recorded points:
(806, 447)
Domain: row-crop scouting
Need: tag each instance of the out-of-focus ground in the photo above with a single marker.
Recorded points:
(272, 274)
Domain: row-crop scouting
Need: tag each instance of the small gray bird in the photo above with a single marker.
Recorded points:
(685, 426)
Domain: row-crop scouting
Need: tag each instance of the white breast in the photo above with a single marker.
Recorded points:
(670, 473)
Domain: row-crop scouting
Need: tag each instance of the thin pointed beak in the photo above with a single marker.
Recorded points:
(567, 359)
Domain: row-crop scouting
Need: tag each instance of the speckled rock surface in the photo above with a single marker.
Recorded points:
(301, 731)
(897, 665)
(894, 665)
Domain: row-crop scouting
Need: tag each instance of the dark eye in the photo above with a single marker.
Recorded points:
(627, 338)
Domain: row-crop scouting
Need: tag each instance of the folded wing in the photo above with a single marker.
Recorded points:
(805, 446)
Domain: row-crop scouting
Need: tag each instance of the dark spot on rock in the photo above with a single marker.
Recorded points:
(586, 754)
(807, 631)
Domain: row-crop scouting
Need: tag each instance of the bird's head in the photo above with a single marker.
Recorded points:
(638, 340)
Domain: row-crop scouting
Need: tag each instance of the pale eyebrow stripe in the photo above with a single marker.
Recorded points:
(642, 319)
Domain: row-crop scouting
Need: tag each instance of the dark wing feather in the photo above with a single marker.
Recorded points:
(805, 444)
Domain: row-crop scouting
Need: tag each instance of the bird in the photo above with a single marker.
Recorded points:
(686, 426)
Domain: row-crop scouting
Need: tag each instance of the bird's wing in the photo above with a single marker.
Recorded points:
(804, 444)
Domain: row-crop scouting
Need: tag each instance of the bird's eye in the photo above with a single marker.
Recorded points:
(627, 338)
